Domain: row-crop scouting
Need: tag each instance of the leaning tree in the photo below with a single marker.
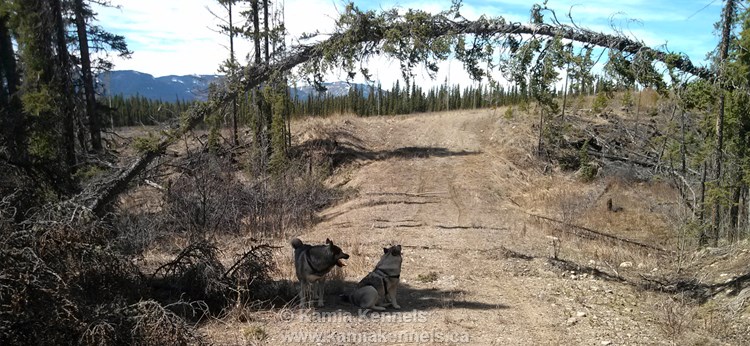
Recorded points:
(416, 39)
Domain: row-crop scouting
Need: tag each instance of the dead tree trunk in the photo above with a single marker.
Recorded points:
(683, 150)
(266, 33)
(235, 139)
(88, 78)
(726, 29)
(734, 212)
(703, 238)
(541, 132)
(565, 93)
(12, 119)
(64, 80)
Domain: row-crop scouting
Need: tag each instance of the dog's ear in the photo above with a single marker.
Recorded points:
(385, 250)
(329, 242)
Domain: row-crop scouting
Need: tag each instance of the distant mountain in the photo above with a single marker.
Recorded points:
(168, 88)
(193, 87)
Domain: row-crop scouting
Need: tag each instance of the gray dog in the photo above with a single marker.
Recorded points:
(378, 288)
(312, 263)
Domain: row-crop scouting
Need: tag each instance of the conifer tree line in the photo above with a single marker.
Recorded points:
(369, 100)
(374, 100)
(717, 153)
(362, 100)
(139, 110)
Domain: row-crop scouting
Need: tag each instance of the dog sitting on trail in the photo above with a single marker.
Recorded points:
(378, 288)
(312, 263)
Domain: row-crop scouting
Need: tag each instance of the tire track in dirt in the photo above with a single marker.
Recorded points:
(457, 203)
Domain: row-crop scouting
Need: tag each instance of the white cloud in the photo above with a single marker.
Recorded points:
(168, 37)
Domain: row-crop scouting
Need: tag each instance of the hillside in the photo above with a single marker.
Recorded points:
(492, 247)
(167, 88)
(130, 83)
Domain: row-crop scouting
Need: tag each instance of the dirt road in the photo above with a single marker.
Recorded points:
(452, 189)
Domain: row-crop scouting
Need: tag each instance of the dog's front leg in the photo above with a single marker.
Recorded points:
(392, 297)
(304, 294)
(321, 292)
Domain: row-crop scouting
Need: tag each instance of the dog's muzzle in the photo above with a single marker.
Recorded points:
(341, 262)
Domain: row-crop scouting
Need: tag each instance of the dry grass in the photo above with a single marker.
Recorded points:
(675, 316)
(456, 189)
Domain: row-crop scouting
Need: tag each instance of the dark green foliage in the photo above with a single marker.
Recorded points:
(139, 111)
(12, 119)
(46, 99)
(43, 112)
(411, 100)
(278, 96)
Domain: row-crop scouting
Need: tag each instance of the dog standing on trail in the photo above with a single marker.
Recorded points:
(312, 263)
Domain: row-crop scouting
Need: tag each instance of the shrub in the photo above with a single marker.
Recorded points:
(205, 198)
(601, 101)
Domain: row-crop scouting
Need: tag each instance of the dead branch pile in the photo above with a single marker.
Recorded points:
(143, 323)
(251, 273)
(19, 193)
(195, 274)
(628, 149)
(59, 275)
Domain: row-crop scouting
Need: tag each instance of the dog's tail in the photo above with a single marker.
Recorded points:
(296, 243)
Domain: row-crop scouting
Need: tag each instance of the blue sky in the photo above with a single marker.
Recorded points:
(178, 36)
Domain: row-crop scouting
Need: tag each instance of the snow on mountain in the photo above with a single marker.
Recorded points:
(167, 88)
(130, 83)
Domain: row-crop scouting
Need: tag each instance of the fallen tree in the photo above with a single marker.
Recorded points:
(413, 38)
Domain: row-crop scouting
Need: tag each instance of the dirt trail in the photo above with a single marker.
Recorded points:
(443, 185)
(442, 203)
